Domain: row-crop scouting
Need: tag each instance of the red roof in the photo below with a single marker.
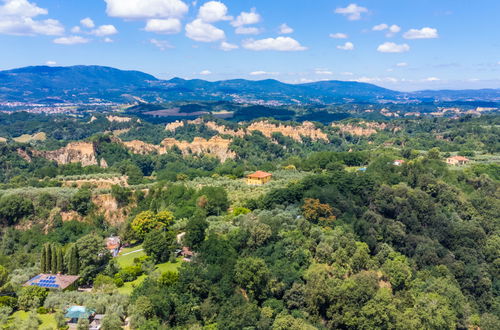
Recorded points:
(259, 175)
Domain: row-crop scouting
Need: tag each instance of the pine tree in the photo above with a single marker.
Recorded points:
(60, 261)
(43, 267)
(48, 258)
(53, 260)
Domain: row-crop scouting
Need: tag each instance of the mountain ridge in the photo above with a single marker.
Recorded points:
(86, 83)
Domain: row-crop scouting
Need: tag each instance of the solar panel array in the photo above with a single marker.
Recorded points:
(48, 282)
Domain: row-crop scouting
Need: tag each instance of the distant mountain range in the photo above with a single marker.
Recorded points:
(46, 84)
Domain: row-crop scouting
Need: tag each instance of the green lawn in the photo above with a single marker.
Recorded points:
(48, 321)
(128, 287)
(128, 260)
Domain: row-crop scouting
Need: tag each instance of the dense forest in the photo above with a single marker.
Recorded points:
(343, 237)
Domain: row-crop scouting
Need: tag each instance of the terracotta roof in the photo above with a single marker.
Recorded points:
(51, 281)
(259, 175)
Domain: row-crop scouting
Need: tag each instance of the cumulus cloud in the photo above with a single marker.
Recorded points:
(391, 47)
(204, 32)
(432, 79)
(205, 72)
(76, 29)
(380, 27)
(338, 35)
(213, 11)
(51, 63)
(323, 72)
(393, 30)
(401, 64)
(352, 12)
(87, 22)
(105, 30)
(423, 33)
(145, 8)
(247, 30)
(71, 40)
(161, 44)
(17, 18)
(347, 46)
(285, 29)
(262, 73)
(247, 18)
(278, 44)
(226, 46)
(165, 26)
(107, 40)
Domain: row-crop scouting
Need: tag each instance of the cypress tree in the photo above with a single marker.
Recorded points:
(43, 267)
(60, 261)
(48, 258)
(53, 260)
(73, 264)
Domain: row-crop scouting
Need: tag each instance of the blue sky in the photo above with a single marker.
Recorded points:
(404, 45)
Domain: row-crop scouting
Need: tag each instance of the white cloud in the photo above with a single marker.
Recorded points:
(51, 63)
(262, 73)
(380, 27)
(205, 72)
(432, 79)
(165, 26)
(76, 29)
(278, 44)
(401, 64)
(323, 72)
(247, 30)
(285, 29)
(391, 47)
(17, 18)
(105, 30)
(347, 46)
(161, 44)
(226, 46)
(145, 8)
(393, 30)
(87, 22)
(372, 80)
(21, 8)
(246, 18)
(423, 33)
(204, 32)
(71, 40)
(353, 11)
(213, 11)
(108, 40)
(338, 35)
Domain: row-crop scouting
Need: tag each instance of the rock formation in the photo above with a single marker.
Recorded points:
(74, 152)
(215, 146)
(307, 129)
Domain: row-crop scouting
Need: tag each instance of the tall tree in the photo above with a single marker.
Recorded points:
(72, 262)
(60, 261)
(48, 257)
(43, 265)
(53, 259)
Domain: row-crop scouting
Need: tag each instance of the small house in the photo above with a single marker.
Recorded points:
(54, 281)
(398, 162)
(187, 254)
(258, 178)
(96, 322)
(457, 160)
(113, 244)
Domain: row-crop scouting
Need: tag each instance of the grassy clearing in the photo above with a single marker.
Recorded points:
(48, 320)
(128, 287)
(128, 259)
